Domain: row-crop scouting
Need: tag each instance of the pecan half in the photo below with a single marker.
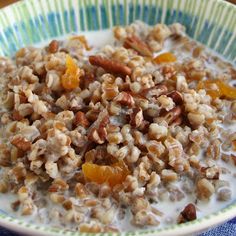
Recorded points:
(124, 99)
(138, 45)
(21, 143)
(188, 214)
(136, 117)
(176, 97)
(80, 119)
(110, 65)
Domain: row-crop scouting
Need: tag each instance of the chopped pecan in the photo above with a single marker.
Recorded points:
(86, 79)
(144, 126)
(136, 117)
(188, 214)
(124, 99)
(15, 205)
(97, 132)
(110, 65)
(177, 121)
(53, 46)
(156, 91)
(138, 45)
(16, 115)
(18, 173)
(21, 143)
(67, 204)
(23, 98)
(176, 97)
(80, 119)
(168, 71)
(172, 115)
(211, 172)
(98, 135)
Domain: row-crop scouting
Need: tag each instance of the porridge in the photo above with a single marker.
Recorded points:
(139, 132)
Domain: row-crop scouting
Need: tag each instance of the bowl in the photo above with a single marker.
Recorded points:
(34, 22)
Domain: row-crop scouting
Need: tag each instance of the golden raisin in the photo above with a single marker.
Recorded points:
(71, 78)
(211, 88)
(218, 88)
(165, 57)
(113, 174)
(227, 90)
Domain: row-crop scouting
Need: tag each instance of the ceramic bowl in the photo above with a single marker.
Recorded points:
(32, 22)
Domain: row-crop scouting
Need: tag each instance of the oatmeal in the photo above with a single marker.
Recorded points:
(107, 138)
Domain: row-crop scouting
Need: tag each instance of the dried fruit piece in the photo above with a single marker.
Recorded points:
(70, 80)
(218, 88)
(138, 45)
(113, 174)
(211, 88)
(165, 57)
(227, 90)
(110, 65)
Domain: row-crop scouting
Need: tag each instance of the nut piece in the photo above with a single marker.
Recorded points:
(80, 119)
(188, 214)
(124, 99)
(98, 135)
(211, 172)
(80, 190)
(155, 92)
(172, 115)
(53, 46)
(136, 118)
(21, 143)
(110, 65)
(176, 96)
(138, 45)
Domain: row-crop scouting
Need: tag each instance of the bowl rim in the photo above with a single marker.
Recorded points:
(211, 220)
